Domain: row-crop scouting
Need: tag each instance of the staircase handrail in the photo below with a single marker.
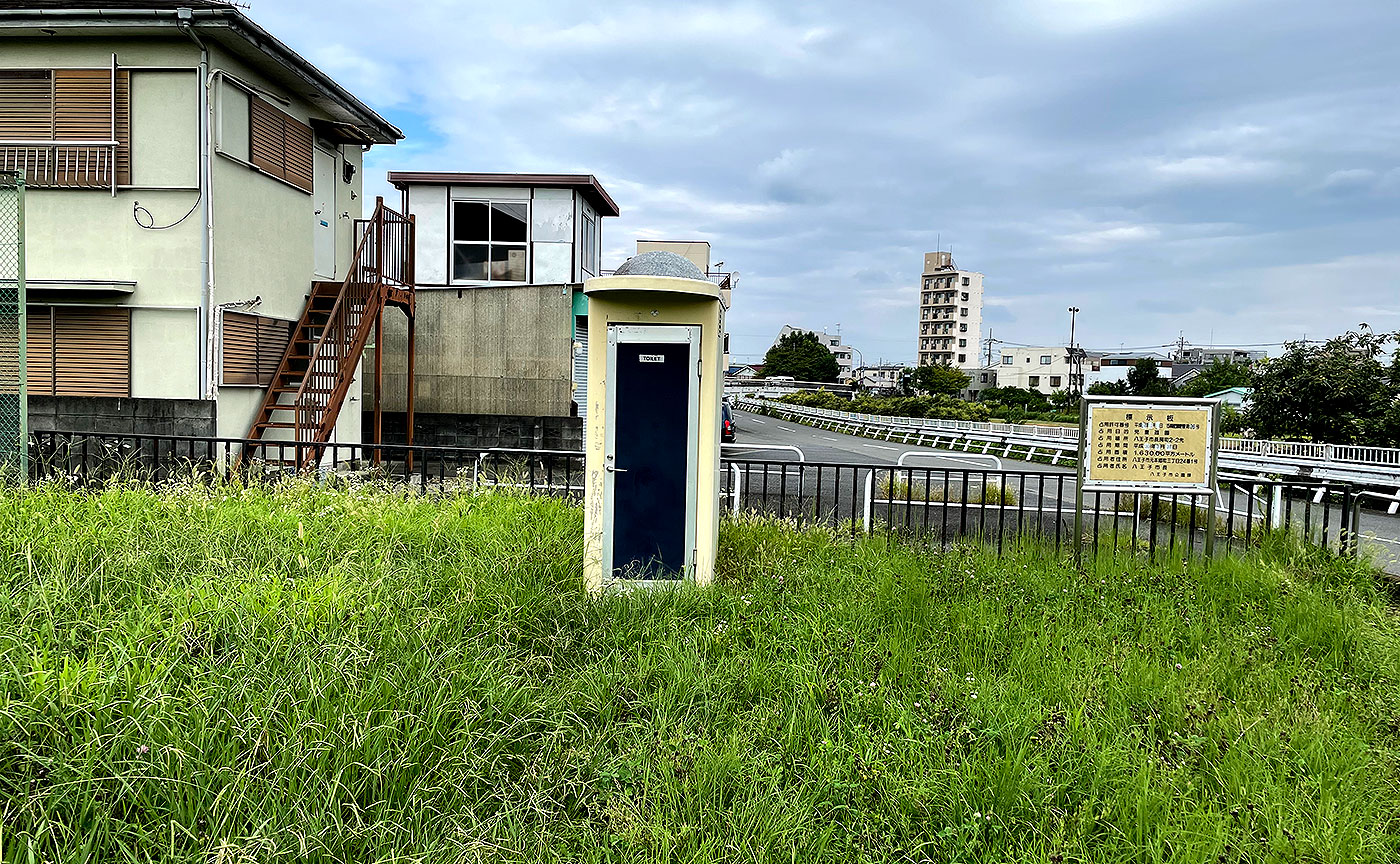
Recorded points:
(374, 229)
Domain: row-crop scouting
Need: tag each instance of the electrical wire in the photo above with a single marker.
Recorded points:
(150, 223)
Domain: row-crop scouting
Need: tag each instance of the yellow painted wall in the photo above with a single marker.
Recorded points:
(650, 300)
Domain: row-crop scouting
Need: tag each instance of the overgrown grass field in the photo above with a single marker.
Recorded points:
(223, 675)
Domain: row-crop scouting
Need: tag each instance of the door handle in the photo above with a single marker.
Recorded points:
(614, 469)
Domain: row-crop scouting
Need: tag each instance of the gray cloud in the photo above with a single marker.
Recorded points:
(1226, 168)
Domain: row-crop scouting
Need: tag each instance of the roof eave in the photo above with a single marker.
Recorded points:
(207, 21)
(585, 183)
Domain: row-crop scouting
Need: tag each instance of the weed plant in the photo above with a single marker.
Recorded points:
(301, 673)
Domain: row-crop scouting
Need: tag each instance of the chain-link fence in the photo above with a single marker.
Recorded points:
(14, 414)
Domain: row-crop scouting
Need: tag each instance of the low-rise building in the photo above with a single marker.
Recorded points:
(1236, 397)
(1115, 367)
(1207, 356)
(880, 380)
(502, 321)
(1044, 369)
(980, 379)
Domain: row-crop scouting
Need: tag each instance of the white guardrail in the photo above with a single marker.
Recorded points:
(1377, 466)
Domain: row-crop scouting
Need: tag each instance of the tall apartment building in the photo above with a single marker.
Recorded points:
(950, 314)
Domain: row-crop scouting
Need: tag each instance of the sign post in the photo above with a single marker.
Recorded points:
(1147, 444)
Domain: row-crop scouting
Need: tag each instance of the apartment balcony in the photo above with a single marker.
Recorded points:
(62, 164)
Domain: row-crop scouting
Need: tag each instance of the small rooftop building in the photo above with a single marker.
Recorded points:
(501, 340)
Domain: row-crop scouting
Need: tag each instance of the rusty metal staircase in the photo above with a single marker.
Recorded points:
(314, 377)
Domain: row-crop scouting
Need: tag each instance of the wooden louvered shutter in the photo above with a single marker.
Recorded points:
(240, 348)
(253, 348)
(278, 144)
(82, 100)
(26, 105)
(92, 351)
(273, 336)
(82, 110)
(38, 352)
(265, 138)
(298, 146)
(123, 128)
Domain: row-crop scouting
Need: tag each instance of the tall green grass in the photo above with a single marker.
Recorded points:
(312, 674)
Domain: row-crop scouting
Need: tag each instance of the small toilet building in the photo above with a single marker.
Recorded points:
(652, 440)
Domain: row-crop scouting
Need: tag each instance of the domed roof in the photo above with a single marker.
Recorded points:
(659, 264)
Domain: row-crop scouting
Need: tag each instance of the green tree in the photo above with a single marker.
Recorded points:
(803, 356)
(1064, 400)
(1015, 397)
(1339, 392)
(938, 380)
(1143, 379)
(1220, 375)
(1108, 388)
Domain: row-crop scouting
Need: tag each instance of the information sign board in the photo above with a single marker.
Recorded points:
(1148, 446)
(1152, 445)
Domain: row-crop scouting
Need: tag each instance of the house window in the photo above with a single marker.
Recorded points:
(1055, 380)
(489, 241)
(78, 351)
(962, 343)
(964, 296)
(588, 256)
(984, 377)
(74, 106)
(1035, 380)
(962, 358)
(253, 347)
(963, 312)
(962, 328)
(278, 144)
(1007, 359)
(1045, 359)
(966, 281)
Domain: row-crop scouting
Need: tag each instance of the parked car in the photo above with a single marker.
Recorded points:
(727, 426)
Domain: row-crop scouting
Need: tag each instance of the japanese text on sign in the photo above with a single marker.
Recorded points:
(1149, 446)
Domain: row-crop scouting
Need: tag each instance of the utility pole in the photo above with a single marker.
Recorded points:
(991, 343)
(1075, 358)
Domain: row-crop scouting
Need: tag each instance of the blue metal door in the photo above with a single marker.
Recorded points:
(651, 466)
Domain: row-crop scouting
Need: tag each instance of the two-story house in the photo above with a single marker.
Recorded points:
(191, 180)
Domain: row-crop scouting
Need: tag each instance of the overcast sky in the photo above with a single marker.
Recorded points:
(1226, 169)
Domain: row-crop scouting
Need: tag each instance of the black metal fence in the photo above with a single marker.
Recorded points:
(940, 505)
(995, 506)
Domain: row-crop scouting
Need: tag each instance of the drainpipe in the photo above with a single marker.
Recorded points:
(206, 263)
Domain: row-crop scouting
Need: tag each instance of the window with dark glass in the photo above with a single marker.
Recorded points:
(489, 241)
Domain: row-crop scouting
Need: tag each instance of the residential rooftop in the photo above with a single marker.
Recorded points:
(584, 183)
(221, 23)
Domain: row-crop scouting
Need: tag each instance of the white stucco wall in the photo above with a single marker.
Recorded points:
(428, 204)
(263, 233)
